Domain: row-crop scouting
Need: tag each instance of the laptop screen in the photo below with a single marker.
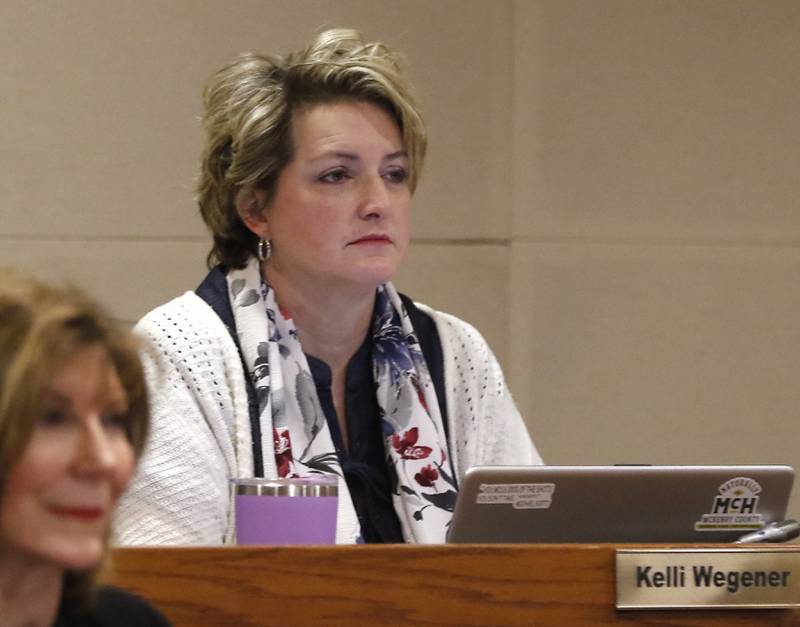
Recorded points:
(618, 503)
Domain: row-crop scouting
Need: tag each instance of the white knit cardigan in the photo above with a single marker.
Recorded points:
(200, 433)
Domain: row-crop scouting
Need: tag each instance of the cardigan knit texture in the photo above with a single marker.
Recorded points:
(201, 435)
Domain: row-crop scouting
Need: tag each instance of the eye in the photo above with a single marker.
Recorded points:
(53, 418)
(396, 175)
(337, 175)
(116, 421)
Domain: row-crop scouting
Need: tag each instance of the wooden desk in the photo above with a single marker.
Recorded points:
(545, 584)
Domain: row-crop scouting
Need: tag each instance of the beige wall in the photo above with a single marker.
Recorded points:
(655, 248)
(609, 194)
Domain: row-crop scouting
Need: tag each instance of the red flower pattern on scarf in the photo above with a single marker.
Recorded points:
(283, 451)
(427, 476)
(284, 312)
(406, 448)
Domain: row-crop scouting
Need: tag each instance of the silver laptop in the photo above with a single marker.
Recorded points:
(618, 503)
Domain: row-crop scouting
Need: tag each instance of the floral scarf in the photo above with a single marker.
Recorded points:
(416, 448)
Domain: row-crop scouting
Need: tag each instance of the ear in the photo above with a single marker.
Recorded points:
(251, 204)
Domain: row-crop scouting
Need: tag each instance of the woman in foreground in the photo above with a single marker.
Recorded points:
(73, 419)
(296, 354)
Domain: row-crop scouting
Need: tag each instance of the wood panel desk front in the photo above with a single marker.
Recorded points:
(544, 584)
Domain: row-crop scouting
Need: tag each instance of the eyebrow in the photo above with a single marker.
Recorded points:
(395, 155)
(51, 395)
(117, 402)
(349, 156)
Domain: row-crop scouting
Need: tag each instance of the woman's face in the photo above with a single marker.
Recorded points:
(58, 498)
(340, 214)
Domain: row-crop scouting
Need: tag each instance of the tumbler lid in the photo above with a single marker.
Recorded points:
(312, 485)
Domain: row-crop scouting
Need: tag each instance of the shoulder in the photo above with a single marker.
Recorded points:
(457, 336)
(423, 322)
(472, 372)
(444, 322)
(470, 368)
(185, 329)
(183, 337)
(186, 313)
(115, 607)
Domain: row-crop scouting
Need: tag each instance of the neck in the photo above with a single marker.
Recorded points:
(30, 591)
(332, 323)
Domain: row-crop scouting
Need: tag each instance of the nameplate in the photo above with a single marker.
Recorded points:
(708, 578)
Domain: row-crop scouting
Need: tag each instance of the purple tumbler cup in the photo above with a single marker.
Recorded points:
(300, 510)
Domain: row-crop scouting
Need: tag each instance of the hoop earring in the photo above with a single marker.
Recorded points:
(264, 250)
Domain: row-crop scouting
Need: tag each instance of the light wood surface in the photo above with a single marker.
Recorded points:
(562, 585)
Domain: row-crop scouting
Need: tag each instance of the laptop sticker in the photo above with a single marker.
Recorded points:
(518, 495)
(735, 507)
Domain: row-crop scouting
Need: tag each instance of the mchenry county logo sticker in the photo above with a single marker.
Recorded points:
(735, 507)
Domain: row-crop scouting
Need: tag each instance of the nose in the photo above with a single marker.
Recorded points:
(375, 199)
(95, 454)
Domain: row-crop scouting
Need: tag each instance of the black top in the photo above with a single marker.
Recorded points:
(112, 607)
(364, 463)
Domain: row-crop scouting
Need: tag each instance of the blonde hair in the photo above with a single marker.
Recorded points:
(248, 112)
(41, 327)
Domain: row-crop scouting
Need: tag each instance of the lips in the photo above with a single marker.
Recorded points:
(377, 238)
(83, 514)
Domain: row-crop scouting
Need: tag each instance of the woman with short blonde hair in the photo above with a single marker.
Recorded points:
(296, 354)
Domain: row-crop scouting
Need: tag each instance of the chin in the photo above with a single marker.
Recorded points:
(78, 556)
(375, 274)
